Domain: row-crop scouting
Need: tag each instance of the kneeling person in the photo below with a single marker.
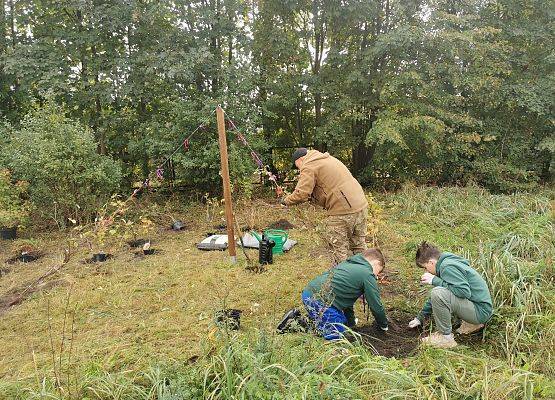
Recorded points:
(329, 298)
(458, 290)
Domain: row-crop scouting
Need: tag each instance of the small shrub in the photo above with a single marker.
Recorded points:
(58, 157)
(13, 210)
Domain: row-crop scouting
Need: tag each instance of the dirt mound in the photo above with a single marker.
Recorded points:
(281, 224)
(398, 341)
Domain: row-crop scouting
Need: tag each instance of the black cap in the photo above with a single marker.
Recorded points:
(300, 152)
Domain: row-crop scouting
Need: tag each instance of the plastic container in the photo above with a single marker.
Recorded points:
(278, 236)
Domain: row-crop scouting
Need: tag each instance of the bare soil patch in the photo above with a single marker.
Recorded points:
(398, 341)
(281, 224)
(138, 243)
(25, 257)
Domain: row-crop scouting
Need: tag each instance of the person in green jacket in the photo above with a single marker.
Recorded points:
(457, 290)
(329, 298)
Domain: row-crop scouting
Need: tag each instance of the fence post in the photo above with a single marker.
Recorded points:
(222, 141)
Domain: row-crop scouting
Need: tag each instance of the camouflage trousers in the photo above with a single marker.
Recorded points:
(346, 235)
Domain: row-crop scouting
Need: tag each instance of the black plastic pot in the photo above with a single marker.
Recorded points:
(99, 257)
(8, 233)
(148, 252)
(26, 258)
(230, 318)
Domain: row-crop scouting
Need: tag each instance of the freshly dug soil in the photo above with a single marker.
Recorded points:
(137, 243)
(92, 260)
(141, 254)
(398, 341)
(25, 258)
(281, 224)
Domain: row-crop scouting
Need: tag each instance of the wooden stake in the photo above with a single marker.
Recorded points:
(227, 189)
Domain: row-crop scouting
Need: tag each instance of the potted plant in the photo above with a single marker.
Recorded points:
(13, 209)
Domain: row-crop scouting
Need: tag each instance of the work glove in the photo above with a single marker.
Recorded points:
(414, 323)
(427, 278)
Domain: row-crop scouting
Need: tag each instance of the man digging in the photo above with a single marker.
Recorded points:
(458, 290)
(330, 297)
(328, 182)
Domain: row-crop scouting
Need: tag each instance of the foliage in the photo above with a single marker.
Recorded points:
(13, 209)
(423, 91)
(57, 156)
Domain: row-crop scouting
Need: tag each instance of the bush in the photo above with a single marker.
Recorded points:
(58, 157)
(13, 210)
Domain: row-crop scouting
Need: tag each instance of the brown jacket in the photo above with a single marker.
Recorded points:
(330, 184)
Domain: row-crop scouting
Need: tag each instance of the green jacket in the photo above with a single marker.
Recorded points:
(342, 285)
(454, 273)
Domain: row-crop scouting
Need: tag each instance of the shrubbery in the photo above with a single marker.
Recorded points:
(13, 210)
(57, 156)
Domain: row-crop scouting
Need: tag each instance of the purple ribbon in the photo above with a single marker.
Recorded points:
(257, 159)
(160, 173)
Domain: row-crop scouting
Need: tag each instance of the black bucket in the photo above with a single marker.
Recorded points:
(8, 233)
(229, 318)
(99, 257)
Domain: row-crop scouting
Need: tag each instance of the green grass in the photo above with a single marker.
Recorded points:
(143, 328)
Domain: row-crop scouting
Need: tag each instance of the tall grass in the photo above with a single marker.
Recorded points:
(509, 239)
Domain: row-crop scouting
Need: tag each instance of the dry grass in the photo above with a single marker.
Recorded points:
(132, 310)
(133, 313)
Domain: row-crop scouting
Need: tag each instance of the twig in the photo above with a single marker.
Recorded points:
(249, 262)
(70, 352)
(64, 329)
(52, 349)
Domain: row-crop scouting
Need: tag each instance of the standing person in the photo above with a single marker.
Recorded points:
(328, 182)
(330, 297)
(458, 290)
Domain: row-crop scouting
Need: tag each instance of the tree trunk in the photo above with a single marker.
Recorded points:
(362, 153)
(98, 133)
(2, 27)
(12, 24)
(362, 157)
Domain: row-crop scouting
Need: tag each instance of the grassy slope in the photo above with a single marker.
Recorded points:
(132, 313)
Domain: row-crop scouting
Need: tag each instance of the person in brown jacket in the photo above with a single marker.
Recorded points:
(328, 182)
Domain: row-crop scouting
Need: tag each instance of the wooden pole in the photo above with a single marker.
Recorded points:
(227, 189)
